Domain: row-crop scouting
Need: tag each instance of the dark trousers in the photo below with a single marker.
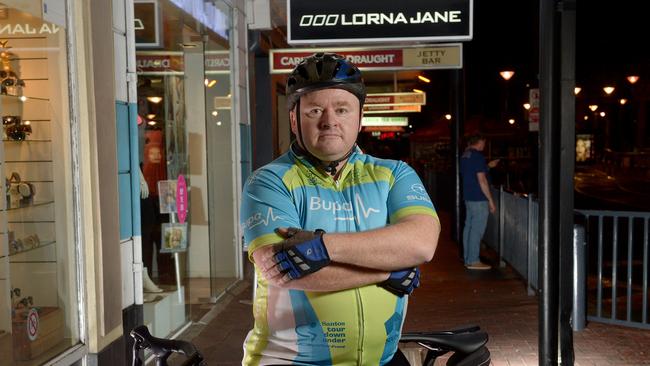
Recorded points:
(151, 240)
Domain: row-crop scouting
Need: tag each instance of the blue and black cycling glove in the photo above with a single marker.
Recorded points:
(301, 253)
(402, 282)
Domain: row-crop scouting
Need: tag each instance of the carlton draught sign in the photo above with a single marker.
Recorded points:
(363, 21)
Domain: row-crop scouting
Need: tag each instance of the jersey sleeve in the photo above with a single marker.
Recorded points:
(266, 205)
(407, 195)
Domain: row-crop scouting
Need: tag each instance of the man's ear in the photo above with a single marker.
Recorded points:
(294, 121)
(360, 119)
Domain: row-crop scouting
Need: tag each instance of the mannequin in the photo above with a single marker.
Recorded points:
(153, 170)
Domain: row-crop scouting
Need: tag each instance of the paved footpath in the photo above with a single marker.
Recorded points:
(449, 296)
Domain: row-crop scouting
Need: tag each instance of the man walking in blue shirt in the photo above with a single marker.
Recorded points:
(478, 200)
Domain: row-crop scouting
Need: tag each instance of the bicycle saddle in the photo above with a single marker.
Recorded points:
(465, 340)
(163, 348)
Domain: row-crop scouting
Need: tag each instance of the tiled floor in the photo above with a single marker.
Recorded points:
(449, 296)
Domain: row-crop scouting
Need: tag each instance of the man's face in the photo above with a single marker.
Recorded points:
(480, 145)
(330, 122)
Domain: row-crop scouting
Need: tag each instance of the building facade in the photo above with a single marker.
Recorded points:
(90, 202)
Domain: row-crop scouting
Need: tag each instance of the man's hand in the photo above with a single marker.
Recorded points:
(402, 282)
(301, 253)
(493, 163)
(492, 206)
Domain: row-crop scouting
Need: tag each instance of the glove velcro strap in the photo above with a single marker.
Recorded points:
(304, 258)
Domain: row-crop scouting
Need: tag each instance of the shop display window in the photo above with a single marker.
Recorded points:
(38, 280)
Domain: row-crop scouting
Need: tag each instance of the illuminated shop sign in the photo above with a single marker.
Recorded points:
(388, 99)
(440, 56)
(378, 109)
(171, 63)
(384, 121)
(363, 21)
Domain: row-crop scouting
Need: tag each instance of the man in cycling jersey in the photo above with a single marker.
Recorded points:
(336, 235)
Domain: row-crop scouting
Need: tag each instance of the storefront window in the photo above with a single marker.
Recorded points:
(38, 280)
(183, 66)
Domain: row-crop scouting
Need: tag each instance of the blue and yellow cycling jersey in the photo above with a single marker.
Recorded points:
(359, 326)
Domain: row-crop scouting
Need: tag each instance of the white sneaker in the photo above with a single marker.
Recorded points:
(147, 283)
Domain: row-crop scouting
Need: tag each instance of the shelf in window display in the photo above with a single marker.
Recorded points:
(19, 251)
(25, 250)
(20, 204)
(18, 97)
(26, 140)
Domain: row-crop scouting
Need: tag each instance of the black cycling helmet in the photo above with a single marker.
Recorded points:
(321, 71)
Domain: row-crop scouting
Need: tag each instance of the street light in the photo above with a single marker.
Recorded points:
(506, 75)
(632, 79)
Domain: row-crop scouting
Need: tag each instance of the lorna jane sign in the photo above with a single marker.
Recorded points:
(363, 21)
(439, 56)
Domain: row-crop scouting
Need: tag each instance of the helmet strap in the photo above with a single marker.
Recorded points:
(329, 168)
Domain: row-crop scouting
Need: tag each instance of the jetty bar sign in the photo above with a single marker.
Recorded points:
(438, 56)
(363, 21)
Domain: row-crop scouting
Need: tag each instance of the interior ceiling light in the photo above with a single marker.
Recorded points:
(418, 91)
(526, 106)
(632, 79)
(448, 117)
(602, 114)
(151, 116)
(511, 121)
(212, 83)
(151, 123)
(593, 107)
(426, 80)
(608, 90)
(577, 90)
(623, 101)
(155, 100)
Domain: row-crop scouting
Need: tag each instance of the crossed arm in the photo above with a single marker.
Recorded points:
(362, 258)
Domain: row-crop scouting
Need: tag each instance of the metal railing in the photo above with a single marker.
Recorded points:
(616, 255)
(512, 233)
(617, 266)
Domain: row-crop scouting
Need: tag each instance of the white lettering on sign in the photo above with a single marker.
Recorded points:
(154, 64)
(290, 61)
(421, 17)
(45, 28)
(370, 59)
(217, 62)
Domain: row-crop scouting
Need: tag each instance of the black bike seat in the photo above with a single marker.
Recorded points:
(161, 346)
(465, 342)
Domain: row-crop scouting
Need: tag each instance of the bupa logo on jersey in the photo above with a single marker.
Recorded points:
(418, 193)
(343, 211)
(259, 218)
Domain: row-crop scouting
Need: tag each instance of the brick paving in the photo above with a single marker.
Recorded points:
(450, 296)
